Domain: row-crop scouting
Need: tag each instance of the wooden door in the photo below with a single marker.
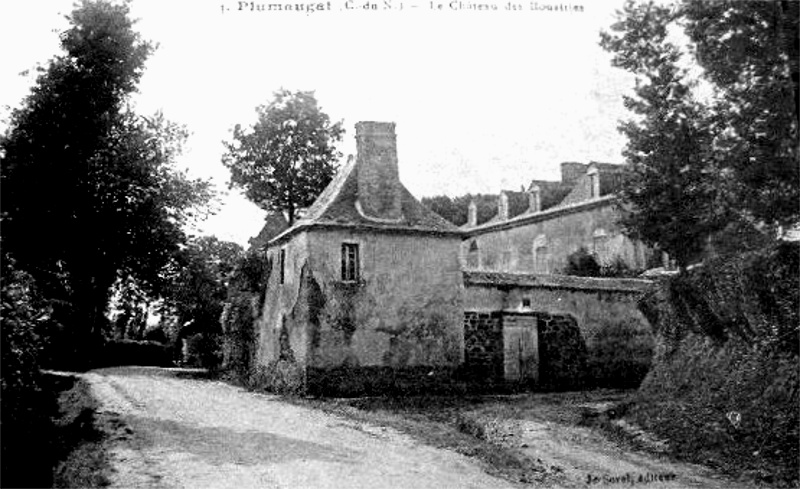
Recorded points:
(521, 349)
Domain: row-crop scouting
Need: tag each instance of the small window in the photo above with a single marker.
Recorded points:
(473, 258)
(526, 302)
(283, 266)
(350, 271)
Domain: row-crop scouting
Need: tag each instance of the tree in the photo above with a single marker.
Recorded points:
(669, 193)
(698, 166)
(198, 289)
(27, 438)
(287, 158)
(90, 193)
(749, 51)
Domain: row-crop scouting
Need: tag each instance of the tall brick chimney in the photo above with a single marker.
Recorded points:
(376, 162)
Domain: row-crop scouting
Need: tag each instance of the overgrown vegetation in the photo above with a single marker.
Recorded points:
(582, 263)
(724, 385)
(246, 291)
(24, 418)
(713, 180)
(621, 355)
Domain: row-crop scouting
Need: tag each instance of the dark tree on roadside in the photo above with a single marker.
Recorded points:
(90, 193)
(700, 165)
(287, 158)
(197, 291)
(199, 283)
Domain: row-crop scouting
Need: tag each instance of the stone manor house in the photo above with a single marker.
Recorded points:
(370, 291)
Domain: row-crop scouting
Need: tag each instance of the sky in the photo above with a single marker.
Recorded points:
(484, 100)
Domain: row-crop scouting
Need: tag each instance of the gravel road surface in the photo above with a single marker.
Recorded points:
(181, 432)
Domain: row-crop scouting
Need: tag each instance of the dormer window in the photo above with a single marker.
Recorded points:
(502, 206)
(594, 183)
(350, 262)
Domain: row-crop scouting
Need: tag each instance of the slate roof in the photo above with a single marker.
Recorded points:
(274, 224)
(336, 207)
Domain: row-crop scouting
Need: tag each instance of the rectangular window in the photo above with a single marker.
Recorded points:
(350, 271)
(283, 266)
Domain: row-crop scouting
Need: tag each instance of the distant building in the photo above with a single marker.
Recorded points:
(579, 211)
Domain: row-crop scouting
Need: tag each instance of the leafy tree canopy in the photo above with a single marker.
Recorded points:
(287, 158)
(90, 192)
(698, 164)
(199, 283)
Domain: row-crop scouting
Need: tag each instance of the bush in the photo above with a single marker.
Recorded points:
(621, 355)
(280, 377)
(203, 350)
(26, 428)
(581, 263)
(724, 383)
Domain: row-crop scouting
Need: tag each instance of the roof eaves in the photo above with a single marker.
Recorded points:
(364, 227)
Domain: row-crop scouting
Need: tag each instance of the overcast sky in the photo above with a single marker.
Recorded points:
(483, 100)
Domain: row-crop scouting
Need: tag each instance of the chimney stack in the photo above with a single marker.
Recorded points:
(376, 161)
(472, 214)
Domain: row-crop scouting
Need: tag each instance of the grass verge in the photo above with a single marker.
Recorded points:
(82, 461)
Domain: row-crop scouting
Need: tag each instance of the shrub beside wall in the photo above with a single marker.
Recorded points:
(246, 293)
(724, 384)
(620, 356)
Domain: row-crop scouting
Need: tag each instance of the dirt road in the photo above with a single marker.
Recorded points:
(182, 432)
(204, 434)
